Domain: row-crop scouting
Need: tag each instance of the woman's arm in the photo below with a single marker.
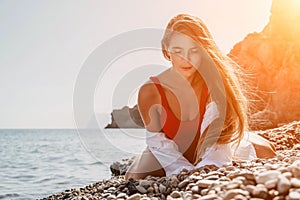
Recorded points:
(149, 105)
(164, 149)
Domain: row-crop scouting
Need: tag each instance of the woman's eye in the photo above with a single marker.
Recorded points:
(176, 51)
(194, 50)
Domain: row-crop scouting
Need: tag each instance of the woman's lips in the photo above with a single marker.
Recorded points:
(187, 67)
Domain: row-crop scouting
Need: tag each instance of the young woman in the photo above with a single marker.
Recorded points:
(195, 111)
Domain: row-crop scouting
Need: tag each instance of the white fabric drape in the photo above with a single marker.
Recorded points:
(171, 159)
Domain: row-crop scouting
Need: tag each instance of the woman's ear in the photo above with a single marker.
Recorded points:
(166, 54)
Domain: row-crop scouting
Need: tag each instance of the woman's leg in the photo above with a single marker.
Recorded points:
(263, 147)
(144, 165)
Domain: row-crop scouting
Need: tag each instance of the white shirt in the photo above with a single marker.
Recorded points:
(167, 153)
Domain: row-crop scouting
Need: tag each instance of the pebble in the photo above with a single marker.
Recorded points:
(150, 189)
(260, 192)
(213, 177)
(156, 190)
(232, 185)
(295, 182)
(144, 183)
(195, 189)
(175, 194)
(111, 197)
(145, 198)
(183, 183)
(294, 195)
(296, 172)
(267, 175)
(270, 184)
(121, 195)
(162, 188)
(209, 197)
(136, 196)
(230, 194)
(246, 175)
(288, 175)
(141, 189)
(240, 197)
(205, 183)
(283, 185)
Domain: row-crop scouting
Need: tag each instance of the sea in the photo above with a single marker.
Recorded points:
(36, 163)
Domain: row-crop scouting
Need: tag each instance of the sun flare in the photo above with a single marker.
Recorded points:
(289, 7)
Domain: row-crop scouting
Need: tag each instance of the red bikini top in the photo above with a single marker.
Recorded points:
(170, 123)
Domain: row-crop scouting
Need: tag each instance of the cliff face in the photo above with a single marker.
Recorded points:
(272, 59)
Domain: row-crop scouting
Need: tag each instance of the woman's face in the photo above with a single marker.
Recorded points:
(185, 54)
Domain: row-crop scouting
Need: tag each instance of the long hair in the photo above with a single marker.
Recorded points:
(236, 111)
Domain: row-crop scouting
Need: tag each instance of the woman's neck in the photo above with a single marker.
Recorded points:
(195, 79)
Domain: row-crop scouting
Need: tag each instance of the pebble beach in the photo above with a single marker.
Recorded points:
(276, 178)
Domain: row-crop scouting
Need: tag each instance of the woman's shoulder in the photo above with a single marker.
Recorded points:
(148, 91)
(149, 88)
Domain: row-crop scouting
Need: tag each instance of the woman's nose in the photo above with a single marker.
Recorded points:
(187, 56)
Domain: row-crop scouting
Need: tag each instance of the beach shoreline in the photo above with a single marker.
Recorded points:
(276, 178)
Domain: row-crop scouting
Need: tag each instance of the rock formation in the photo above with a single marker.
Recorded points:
(126, 118)
(272, 60)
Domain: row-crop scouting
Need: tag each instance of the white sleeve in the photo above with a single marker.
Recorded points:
(211, 113)
(218, 155)
(166, 152)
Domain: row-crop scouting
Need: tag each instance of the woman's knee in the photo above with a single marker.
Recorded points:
(135, 176)
(263, 147)
(264, 151)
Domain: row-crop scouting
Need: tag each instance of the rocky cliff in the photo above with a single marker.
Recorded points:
(272, 59)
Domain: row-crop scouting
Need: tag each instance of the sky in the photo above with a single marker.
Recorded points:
(45, 44)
